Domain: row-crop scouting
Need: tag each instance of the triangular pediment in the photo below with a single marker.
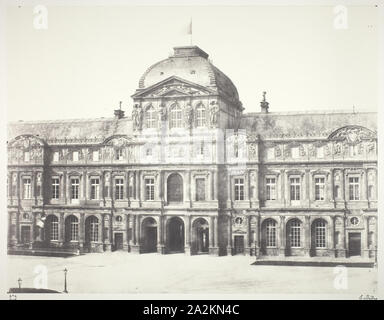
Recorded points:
(173, 86)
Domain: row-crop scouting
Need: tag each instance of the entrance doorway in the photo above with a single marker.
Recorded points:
(150, 235)
(25, 234)
(119, 241)
(354, 240)
(239, 244)
(175, 235)
(201, 236)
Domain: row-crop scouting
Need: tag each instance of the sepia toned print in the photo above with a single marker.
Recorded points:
(188, 174)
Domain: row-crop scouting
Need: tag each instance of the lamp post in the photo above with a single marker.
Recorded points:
(19, 281)
(65, 280)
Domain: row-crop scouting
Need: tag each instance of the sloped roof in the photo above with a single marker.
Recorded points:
(304, 124)
(75, 130)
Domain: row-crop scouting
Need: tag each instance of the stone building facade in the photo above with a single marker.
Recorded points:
(189, 172)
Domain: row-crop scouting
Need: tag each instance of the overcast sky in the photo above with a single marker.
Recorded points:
(89, 58)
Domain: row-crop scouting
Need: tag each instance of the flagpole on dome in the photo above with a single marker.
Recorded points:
(190, 30)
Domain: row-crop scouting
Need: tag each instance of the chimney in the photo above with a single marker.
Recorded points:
(264, 104)
(118, 112)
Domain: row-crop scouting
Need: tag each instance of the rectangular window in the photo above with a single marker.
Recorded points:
(200, 189)
(295, 152)
(27, 188)
(95, 155)
(56, 156)
(320, 229)
(150, 189)
(295, 235)
(239, 189)
(95, 188)
(319, 188)
(271, 188)
(119, 189)
(55, 188)
(75, 188)
(75, 156)
(295, 189)
(354, 192)
(119, 154)
(27, 156)
(54, 230)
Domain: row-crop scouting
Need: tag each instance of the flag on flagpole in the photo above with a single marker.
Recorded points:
(190, 27)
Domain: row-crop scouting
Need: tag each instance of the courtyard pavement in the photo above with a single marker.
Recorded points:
(120, 272)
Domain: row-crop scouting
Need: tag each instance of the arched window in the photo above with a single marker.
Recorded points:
(175, 188)
(270, 233)
(176, 117)
(92, 229)
(73, 225)
(295, 233)
(320, 234)
(150, 118)
(200, 116)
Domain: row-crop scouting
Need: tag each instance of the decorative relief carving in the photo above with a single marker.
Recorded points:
(352, 134)
(252, 151)
(163, 112)
(277, 151)
(188, 111)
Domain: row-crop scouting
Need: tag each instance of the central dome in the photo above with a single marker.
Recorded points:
(191, 63)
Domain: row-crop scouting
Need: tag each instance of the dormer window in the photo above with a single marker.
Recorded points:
(56, 156)
(320, 152)
(27, 156)
(295, 152)
(119, 154)
(95, 155)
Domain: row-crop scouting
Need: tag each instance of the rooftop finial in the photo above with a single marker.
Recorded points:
(119, 113)
(264, 104)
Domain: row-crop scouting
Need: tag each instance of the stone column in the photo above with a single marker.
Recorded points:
(365, 239)
(82, 232)
(127, 242)
(214, 250)
(307, 238)
(136, 247)
(256, 243)
(215, 185)
(282, 236)
(211, 235)
(229, 190)
(187, 248)
(247, 236)
(331, 236)
(229, 243)
(61, 229)
(160, 236)
(284, 195)
(187, 184)
(341, 247)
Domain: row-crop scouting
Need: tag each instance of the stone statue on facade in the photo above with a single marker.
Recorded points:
(213, 111)
(188, 115)
(163, 112)
(137, 116)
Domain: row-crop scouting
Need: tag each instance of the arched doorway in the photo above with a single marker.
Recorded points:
(149, 240)
(318, 237)
(294, 237)
(175, 188)
(175, 235)
(200, 240)
(269, 237)
(71, 228)
(51, 228)
(91, 230)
